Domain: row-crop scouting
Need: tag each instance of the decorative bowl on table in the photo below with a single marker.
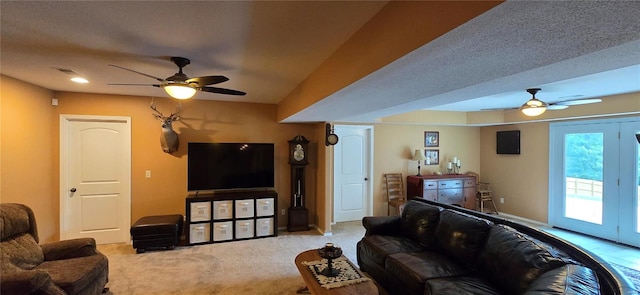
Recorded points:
(330, 252)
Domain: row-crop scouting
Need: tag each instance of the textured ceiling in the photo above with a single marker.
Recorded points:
(568, 48)
(265, 48)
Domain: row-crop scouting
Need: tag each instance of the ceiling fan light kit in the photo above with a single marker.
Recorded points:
(179, 91)
(533, 107)
(180, 86)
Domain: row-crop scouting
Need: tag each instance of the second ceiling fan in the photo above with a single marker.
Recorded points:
(180, 86)
(535, 107)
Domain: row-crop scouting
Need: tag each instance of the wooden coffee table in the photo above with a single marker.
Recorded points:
(368, 287)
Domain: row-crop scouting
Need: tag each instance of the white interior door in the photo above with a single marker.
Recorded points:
(95, 178)
(352, 187)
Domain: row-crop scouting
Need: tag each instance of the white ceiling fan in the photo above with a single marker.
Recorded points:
(535, 107)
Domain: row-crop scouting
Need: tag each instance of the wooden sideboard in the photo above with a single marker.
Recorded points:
(457, 189)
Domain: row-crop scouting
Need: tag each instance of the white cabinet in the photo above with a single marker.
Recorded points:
(222, 231)
(244, 208)
(228, 216)
(200, 211)
(245, 228)
(222, 209)
(199, 233)
(264, 207)
(264, 227)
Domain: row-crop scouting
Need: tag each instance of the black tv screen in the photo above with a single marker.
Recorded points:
(508, 142)
(213, 166)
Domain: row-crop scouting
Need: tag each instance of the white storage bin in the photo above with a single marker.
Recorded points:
(244, 208)
(199, 233)
(244, 229)
(264, 227)
(222, 210)
(200, 211)
(222, 231)
(264, 207)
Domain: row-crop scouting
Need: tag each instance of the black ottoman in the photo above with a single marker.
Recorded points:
(161, 231)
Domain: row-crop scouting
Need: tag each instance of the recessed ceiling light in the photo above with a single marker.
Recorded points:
(79, 80)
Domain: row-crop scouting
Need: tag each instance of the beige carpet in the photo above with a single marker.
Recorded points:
(260, 266)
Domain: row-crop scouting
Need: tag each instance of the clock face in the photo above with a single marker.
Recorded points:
(298, 153)
(332, 139)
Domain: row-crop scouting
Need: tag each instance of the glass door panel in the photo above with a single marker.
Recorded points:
(630, 183)
(583, 176)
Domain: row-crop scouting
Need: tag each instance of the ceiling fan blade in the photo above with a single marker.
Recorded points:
(221, 90)
(208, 80)
(128, 84)
(554, 107)
(576, 102)
(498, 109)
(130, 70)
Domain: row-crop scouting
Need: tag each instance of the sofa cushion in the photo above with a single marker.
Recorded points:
(461, 235)
(377, 248)
(22, 251)
(76, 274)
(465, 285)
(512, 260)
(16, 219)
(419, 222)
(567, 279)
(413, 269)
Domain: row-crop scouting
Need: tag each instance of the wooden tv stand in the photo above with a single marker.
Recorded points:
(455, 189)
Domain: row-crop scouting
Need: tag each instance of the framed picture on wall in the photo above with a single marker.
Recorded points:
(433, 157)
(431, 138)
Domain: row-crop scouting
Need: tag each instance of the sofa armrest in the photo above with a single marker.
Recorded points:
(69, 249)
(27, 282)
(382, 225)
(567, 279)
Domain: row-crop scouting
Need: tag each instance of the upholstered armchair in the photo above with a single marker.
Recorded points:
(65, 267)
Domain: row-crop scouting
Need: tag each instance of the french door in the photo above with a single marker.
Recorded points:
(594, 178)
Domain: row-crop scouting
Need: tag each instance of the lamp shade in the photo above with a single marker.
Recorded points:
(533, 107)
(179, 91)
(418, 155)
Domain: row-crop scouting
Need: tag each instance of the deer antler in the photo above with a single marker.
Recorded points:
(158, 114)
(178, 110)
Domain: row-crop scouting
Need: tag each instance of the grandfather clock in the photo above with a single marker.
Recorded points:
(298, 159)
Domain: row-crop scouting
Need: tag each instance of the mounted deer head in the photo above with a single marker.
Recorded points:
(168, 138)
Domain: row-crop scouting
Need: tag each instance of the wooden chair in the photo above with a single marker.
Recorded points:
(395, 192)
(483, 193)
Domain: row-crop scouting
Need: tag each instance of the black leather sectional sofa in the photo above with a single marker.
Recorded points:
(440, 249)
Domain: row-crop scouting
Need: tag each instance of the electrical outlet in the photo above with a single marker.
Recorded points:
(284, 212)
(147, 174)
(501, 200)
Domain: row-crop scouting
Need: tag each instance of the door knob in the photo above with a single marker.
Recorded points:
(73, 189)
(366, 179)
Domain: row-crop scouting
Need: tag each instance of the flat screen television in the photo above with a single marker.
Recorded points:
(508, 142)
(215, 166)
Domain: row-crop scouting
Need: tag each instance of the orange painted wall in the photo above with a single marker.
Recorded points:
(26, 166)
(30, 147)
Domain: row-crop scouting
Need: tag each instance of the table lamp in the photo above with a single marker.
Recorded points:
(418, 156)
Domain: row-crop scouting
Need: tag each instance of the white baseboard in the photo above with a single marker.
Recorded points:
(522, 219)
